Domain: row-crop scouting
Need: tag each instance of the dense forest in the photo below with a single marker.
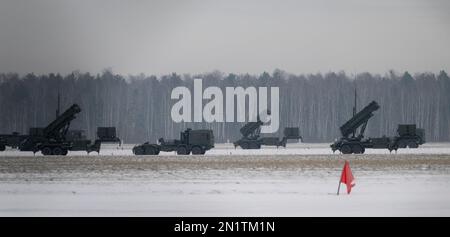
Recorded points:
(139, 106)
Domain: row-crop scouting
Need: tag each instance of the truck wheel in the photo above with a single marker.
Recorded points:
(138, 151)
(46, 151)
(196, 150)
(65, 151)
(357, 149)
(57, 151)
(394, 147)
(412, 145)
(245, 145)
(2, 147)
(255, 146)
(181, 150)
(150, 151)
(346, 149)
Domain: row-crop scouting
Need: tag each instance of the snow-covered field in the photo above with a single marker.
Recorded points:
(300, 180)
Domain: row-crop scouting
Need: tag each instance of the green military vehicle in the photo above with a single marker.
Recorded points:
(196, 142)
(12, 140)
(353, 143)
(252, 139)
(408, 135)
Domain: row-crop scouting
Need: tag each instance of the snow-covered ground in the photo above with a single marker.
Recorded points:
(223, 185)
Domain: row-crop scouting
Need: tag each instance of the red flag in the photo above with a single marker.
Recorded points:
(347, 177)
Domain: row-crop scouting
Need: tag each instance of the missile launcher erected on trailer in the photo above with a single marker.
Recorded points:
(252, 139)
(351, 142)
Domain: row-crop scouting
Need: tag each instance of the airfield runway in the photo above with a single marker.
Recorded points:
(410, 183)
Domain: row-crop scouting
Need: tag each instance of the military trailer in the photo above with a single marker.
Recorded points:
(252, 139)
(407, 136)
(196, 142)
(352, 142)
(78, 140)
(57, 139)
(81, 143)
(107, 134)
(291, 134)
(381, 143)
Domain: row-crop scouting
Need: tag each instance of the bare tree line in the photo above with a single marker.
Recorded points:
(139, 106)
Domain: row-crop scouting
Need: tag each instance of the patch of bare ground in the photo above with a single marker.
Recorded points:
(284, 162)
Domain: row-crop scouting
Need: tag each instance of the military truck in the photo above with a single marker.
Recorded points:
(12, 140)
(252, 139)
(196, 142)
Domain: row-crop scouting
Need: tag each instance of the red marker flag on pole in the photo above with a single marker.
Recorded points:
(347, 178)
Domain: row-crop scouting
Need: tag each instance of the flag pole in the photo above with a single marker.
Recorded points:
(339, 187)
(340, 179)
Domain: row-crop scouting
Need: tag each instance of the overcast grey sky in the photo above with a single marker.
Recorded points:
(193, 36)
